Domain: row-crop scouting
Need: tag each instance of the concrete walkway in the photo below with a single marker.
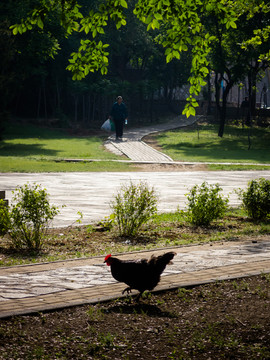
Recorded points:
(91, 193)
(50, 286)
(34, 288)
(137, 150)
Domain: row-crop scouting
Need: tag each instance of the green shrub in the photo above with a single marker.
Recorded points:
(132, 207)
(256, 199)
(4, 218)
(205, 204)
(107, 223)
(28, 217)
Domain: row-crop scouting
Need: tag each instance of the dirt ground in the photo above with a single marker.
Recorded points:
(225, 320)
(171, 167)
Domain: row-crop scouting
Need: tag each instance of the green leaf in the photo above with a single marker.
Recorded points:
(192, 111)
(169, 57)
(40, 23)
(158, 16)
(20, 29)
(104, 70)
(155, 24)
(204, 70)
(176, 54)
(184, 111)
(124, 4)
(149, 19)
(15, 31)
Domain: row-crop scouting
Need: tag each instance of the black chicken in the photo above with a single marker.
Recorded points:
(140, 274)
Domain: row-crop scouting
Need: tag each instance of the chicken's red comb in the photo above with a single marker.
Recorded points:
(107, 257)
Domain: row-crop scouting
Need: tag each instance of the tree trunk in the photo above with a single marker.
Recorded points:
(39, 100)
(223, 109)
(89, 110)
(76, 108)
(222, 118)
(209, 110)
(58, 97)
(83, 105)
(94, 107)
(45, 102)
(238, 103)
(151, 106)
(217, 95)
(248, 118)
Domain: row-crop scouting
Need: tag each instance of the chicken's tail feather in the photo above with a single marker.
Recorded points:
(162, 260)
(167, 257)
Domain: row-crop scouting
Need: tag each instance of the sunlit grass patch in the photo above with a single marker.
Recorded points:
(204, 145)
(30, 148)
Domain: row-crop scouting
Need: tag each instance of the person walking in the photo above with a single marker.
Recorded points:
(119, 115)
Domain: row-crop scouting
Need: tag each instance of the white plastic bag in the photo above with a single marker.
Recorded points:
(107, 125)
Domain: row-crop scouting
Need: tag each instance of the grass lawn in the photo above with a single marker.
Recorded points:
(28, 148)
(28, 165)
(43, 143)
(201, 143)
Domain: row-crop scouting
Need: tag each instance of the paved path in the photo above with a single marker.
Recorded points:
(135, 149)
(34, 288)
(91, 193)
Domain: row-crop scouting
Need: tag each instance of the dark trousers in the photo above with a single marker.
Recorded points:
(119, 125)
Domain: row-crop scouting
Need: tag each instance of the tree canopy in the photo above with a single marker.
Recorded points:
(181, 25)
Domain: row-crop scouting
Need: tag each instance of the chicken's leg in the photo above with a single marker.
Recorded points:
(128, 290)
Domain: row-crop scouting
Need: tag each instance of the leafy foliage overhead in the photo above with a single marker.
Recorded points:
(181, 26)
